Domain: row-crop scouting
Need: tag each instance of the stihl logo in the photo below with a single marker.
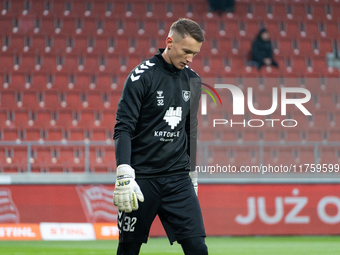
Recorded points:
(173, 116)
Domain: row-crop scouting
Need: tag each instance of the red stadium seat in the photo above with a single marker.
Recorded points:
(244, 154)
(10, 134)
(30, 99)
(66, 118)
(299, 10)
(312, 29)
(51, 99)
(305, 47)
(119, 9)
(287, 155)
(133, 61)
(4, 118)
(113, 99)
(99, 134)
(76, 134)
(206, 135)
(16, 81)
(43, 157)
(280, 11)
(55, 134)
(329, 155)
(102, 159)
(303, 122)
(293, 135)
(19, 157)
(33, 134)
(252, 29)
(314, 135)
(216, 64)
(319, 11)
(22, 118)
(93, 100)
(106, 82)
(260, 11)
(91, 65)
(272, 135)
(251, 135)
(306, 154)
(229, 135)
(232, 28)
(321, 120)
(325, 46)
(332, 30)
(226, 46)
(73, 99)
(10, 99)
(334, 135)
(70, 158)
(80, 43)
(108, 118)
(89, 119)
(211, 29)
(218, 155)
(39, 42)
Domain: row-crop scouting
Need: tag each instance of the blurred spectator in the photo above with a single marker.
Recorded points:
(221, 6)
(261, 52)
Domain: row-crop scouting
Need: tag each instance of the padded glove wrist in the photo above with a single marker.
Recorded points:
(194, 180)
(127, 192)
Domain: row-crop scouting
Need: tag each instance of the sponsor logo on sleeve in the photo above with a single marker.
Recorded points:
(140, 69)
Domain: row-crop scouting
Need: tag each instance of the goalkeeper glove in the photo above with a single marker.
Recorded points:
(194, 178)
(127, 192)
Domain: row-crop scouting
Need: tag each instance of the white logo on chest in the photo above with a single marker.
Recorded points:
(186, 95)
(173, 116)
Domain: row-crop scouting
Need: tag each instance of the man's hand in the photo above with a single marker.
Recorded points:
(127, 192)
(194, 177)
(267, 61)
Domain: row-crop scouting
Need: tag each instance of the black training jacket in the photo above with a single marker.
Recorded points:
(156, 121)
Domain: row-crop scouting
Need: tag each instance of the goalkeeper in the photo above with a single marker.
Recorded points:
(155, 141)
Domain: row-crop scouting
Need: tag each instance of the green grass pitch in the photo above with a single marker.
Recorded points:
(305, 245)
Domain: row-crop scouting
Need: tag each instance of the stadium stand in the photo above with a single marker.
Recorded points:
(63, 64)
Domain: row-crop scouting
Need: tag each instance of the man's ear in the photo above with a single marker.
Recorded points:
(169, 41)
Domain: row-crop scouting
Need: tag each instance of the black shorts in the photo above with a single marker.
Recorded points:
(174, 199)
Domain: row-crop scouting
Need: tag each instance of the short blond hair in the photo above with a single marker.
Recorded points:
(187, 27)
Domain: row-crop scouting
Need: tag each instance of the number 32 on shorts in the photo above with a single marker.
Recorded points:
(129, 224)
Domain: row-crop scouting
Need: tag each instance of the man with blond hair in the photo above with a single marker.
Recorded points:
(155, 143)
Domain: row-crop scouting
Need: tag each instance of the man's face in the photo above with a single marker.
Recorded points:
(265, 36)
(182, 51)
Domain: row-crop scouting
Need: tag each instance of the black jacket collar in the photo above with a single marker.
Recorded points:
(169, 68)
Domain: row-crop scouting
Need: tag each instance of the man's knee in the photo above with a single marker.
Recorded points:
(128, 248)
(194, 246)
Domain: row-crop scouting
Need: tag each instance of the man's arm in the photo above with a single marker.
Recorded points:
(126, 119)
(192, 121)
(127, 192)
(191, 129)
